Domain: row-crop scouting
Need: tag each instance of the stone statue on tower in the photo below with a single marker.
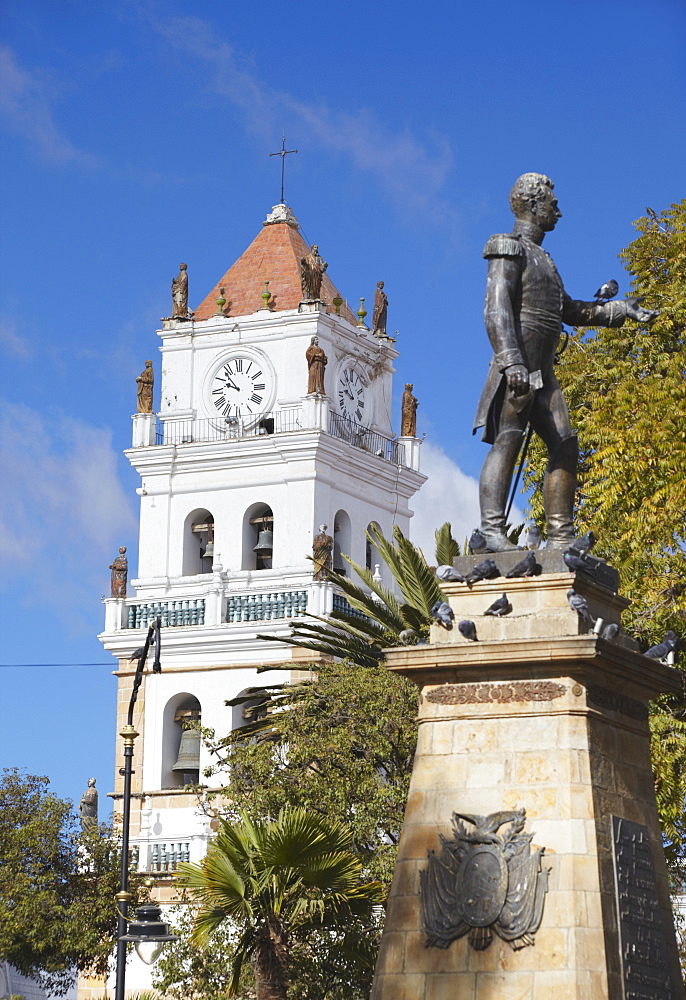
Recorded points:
(179, 289)
(145, 382)
(316, 363)
(312, 269)
(408, 417)
(120, 569)
(322, 549)
(380, 312)
(88, 807)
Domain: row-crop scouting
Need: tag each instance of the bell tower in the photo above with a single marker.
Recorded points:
(256, 444)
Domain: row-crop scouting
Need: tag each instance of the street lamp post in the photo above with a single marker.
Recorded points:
(147, 927)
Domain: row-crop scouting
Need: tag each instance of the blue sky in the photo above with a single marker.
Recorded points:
(136, 135)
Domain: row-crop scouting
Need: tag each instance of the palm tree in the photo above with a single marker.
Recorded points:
(275, 880)
(377, 616)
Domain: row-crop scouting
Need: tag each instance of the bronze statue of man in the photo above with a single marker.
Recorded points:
(408, 414)
(526, 305)
(120, 569)
(316, 363)
(312, 269)
(179, 290)
(88, 807)
(322, 549)
(380, 312)
(145, 383)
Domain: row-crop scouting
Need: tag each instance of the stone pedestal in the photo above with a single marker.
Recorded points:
(543, 715)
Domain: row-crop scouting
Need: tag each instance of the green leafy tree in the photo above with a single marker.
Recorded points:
(626, 390)
(57, 886)
(278, 881)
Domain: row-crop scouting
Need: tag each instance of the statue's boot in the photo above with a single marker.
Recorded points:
(494, 487)
(559, 487)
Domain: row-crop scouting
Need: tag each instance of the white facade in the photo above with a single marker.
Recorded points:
(295, 459)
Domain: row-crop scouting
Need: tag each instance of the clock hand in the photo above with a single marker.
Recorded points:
(231, 384)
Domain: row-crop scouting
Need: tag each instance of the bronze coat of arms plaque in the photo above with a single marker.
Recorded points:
(483, 882)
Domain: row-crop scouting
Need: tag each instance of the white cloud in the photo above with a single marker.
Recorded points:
(26, 105)
(411, 171)
(64, 510)
(449, 494)
(12, 342)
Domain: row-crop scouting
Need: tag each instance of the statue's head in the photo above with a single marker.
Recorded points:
(323, 527)
(315, 248)
(532, 198)
(183, 267)
(409, 386)
(148, 364)
(314, 341)
(379, 284)
(91, 782)
(122, 549)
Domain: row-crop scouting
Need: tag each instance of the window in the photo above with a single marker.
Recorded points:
(180, 742)
(370, 551)
(341, 542)
(198, 543)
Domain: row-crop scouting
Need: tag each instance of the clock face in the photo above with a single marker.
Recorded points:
(352, 394)
(241, 388)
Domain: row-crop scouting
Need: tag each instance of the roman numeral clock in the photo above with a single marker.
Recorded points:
(241, 387)
(353, 395)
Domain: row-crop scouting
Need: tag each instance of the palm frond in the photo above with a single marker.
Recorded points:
(418, 583)
(447, 548)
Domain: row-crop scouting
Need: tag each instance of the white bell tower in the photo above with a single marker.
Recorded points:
(239, 468)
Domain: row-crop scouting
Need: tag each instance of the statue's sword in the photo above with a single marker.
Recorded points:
(535, 382)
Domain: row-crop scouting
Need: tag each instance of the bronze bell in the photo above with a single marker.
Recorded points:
(265, 543)
(188, 758)
(209, 551)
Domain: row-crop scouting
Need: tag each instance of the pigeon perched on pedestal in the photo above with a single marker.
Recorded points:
(575, 562)
(610, 631)
(664, 648)
(448, 574)
(534, 538)
(499, 608)
(583, 544)
(578, 603)
(607, 291)
(443, 614)
(468, 630)
(525, 567)
(477, 542)
(486, 570)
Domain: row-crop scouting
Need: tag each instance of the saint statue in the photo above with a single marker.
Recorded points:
(145, 383)
(312, 269)
(322, 549)
(526, 305)
(380, 312)
(88, 807)
(316, 363)
(408, 416)
(120, 568)
(179, 288)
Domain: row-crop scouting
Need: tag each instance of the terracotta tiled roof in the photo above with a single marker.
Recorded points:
(274, 256)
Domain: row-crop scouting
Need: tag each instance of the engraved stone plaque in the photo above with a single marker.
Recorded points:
(645, 973)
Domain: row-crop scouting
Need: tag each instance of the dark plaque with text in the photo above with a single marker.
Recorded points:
(642, 944)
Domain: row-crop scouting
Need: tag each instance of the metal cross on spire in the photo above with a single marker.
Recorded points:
(283, 153)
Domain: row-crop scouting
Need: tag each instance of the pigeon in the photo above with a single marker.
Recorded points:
(534, 538)
(486, 570)
(664, 648)
(499, 608)
(583, 544)
(468, 630)
(406, 636)
(575, 562)
(443, 614)
(448, 574)
(610, 631)
(477, 542)
(525, 567)
(579, 604)
(607, 291)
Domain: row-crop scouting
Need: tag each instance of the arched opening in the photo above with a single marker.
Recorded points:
(249, 710)
(342, 538)
(258, 537)
(198, 543)
(370, 552)
(181, 741)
